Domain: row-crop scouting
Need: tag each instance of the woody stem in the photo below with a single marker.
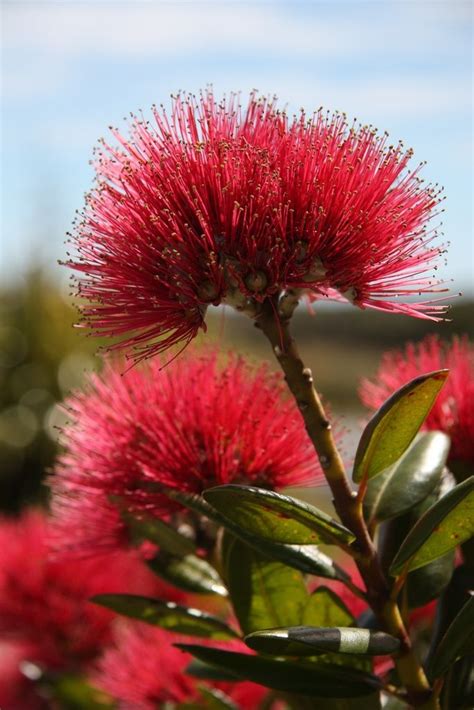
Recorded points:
(275, 326)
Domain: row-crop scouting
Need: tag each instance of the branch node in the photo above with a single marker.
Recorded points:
(325, 461)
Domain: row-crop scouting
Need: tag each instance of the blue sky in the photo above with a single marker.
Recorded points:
(71, 68)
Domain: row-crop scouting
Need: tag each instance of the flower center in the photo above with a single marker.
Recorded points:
(256, 282)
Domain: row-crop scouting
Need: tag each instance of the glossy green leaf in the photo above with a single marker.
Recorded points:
(318, 681)
(190, 573)
(427, 583)
(168, 615)
(393, 531)
(162, 534)
(458, 641)
(310, 640)
(448, 523)
(264, 592)
(394, 426)
(306, 558)
(450, 603)
(325, 608)
(194, 502)
(275, 517)
(410, 480)
(458, 685)
(205, 671)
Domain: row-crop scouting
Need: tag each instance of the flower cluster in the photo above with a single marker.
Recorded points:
(453, 411)
(192, 425)
(216, 203)
(46, 617)
(143, 671)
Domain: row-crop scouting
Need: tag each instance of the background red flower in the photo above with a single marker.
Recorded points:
(453, 411)
(45, 614)
(144, 669)
(192, 425)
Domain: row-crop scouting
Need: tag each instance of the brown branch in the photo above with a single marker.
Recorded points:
(274, 324)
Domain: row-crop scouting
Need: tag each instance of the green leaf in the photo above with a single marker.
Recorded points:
(190, 573)
(168, 615)
(427, 583)
(448, 523)
(394, 426)
(159, 532)
(263, 592)
(458, 641)
(75, 693)
(318, 681)
(310, 640)
(458, 686)
(215, 699)
(275, 517)
(306, 558)
(453, 598)
(324, 608)
(410, 480)
(193, 501)
(199, 669)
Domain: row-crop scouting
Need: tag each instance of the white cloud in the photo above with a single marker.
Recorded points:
(44, 41)
(141, 29)
(170, 28)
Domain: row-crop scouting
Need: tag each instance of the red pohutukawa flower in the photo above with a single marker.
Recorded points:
(45, 610)
(189, 426)
(144, 671)
(453, 411)
(220, 204)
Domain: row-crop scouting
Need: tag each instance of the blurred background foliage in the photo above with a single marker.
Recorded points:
(42, 358)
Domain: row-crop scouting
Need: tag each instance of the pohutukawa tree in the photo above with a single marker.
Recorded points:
(216, 203)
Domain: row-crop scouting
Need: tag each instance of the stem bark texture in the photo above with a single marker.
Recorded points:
(275, 325)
